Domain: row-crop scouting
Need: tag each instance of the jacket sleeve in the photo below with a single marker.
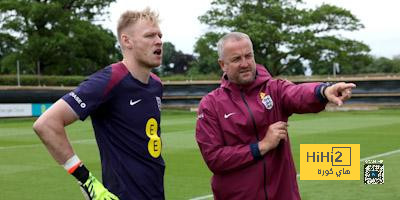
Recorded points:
(301, 98)
(219, 157)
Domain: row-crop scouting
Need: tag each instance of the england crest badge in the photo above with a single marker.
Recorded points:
(158, 99)
(267, 101)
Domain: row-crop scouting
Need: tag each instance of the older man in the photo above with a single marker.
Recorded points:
(242, 125)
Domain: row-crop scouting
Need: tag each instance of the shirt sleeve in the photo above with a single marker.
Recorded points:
(89, 94)
(219, 157)
(301, 98)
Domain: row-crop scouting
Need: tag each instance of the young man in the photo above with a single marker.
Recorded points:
(242, 126)
(124, 103)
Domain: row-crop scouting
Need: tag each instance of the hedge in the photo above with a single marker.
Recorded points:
(33, 80)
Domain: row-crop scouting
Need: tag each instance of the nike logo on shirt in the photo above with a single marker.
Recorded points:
(134, 102)
(226, 116)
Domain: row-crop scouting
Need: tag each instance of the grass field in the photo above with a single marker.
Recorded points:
(28, 172)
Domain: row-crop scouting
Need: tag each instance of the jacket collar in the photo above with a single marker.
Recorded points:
(262, 76)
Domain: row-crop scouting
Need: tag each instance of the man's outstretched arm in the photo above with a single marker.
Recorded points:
(312, 97)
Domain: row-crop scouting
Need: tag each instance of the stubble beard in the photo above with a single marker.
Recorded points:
(246, 80)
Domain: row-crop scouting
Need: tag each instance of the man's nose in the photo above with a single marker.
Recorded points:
(243, 62)
(158, 41)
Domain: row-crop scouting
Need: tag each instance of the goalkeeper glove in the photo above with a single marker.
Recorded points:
(92, 189)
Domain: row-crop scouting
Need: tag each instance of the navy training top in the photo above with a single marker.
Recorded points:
(125, 115)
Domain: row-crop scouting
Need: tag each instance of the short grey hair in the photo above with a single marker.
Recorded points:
(233, 35)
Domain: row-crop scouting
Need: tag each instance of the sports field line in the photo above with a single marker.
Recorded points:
(380, 155)
(202, 197)
(298, 175)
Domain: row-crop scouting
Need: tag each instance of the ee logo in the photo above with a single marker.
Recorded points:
(154, 145)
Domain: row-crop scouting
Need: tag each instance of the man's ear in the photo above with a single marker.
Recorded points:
(126, 42)
(222, 65)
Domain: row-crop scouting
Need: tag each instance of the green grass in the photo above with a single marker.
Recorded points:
(28, 172)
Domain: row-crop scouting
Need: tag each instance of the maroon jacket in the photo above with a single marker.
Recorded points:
(232, 119)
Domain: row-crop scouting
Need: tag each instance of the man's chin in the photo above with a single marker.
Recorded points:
(154, 65)
(246, 79)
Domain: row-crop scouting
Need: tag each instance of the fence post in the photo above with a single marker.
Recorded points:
(38, 69)
(18, 76)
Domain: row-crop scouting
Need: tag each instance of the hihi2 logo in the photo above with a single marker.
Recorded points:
(329, 161)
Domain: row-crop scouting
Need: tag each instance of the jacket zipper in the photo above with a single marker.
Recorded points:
(258, 139)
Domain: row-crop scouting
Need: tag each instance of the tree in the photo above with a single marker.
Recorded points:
(206, 48)
(383, 65)
(7, 46)
(174, 62)
(396, 65)
(283, 34)
(56, 36)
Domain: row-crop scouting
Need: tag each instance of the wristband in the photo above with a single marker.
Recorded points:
(72, 164)
(323, 91)
(320, 91)
(75, 167)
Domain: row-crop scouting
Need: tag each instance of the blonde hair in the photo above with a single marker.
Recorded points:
(129, 18)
